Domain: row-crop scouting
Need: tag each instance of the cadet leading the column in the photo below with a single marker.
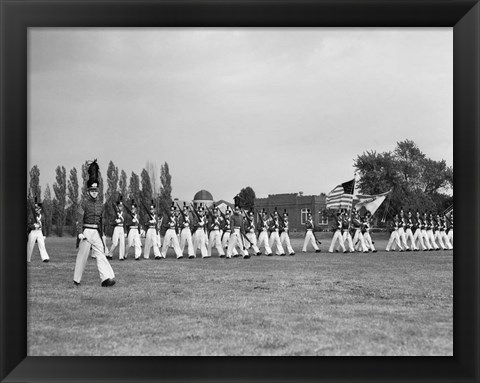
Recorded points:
(36, 233)
(89, 232)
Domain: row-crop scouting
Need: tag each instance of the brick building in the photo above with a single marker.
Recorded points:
(297, 205)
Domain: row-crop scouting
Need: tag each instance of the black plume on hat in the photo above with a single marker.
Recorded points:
(93, 171)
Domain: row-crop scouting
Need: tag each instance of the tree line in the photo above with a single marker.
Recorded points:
(60, 209)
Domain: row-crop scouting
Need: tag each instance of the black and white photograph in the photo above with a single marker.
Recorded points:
(240, 191)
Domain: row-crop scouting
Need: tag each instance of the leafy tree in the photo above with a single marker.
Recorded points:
(73, 198)
(165, 199)
(48, 210)
(60, 190)
(146, 195)
(152, 170)
(122, 184)
(417, 182)
(34, 187)
(247, 198)
(134, 188)
(110, 197)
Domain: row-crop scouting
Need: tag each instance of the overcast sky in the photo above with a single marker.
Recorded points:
(280, 110)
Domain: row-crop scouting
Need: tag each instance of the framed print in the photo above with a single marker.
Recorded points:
(24, 22)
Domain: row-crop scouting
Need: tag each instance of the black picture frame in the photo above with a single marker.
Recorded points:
(17, 16)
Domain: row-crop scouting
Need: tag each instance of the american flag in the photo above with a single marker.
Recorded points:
(341, 196)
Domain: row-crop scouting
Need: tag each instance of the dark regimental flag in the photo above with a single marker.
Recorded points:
(341, 196)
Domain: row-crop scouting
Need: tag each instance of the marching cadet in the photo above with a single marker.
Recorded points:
(171, 239)
(337, 236)
(284, 235)
(401, 230)
(274, 234)
(408, 232)
(309, 236)
(431, 232)
(186, 233)
(440, 234)
(367, 223)
(118, 235)
(200, 237)
(347, 237)
(358, 238)
(236, 237)
(36, 233)
(394, 240)
(215, 238)
(446, 241)
(249, 227)
(262, 227)
(89, 233)
(424, 227)
(133, 232)
(417, 232)
(151, 235)
(450, 226)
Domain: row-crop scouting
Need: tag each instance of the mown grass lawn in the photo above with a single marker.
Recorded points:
(307, 304)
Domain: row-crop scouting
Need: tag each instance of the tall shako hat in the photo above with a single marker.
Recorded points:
(120, 200)
(285, 214)
(309, 212)
(172, 207)
(275, 211)
(215, 209)
(228, 210)
(200, 208)
(93, 170)
(250, 213)
(152, 205)
(185, 207)
(133, 203)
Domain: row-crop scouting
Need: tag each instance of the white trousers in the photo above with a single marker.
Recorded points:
(215, 241)
(309, 239)
(118, 236)
(200, 241)
(133, 239)
(418, 240)
(402, 238)
(236, 240)
(186, 238)
(394, 241)
(445, 239)
(92, 242)
(368, 241)
(151, 240)
(252, 237)
(275, 241)
(285, 239)
(36, 236)
(359, 241)
(171, 239)
(347, 239)
(409, 237)
(226, 241)
(263, 241)
(336, 237)
(431, 238)
(450, 236)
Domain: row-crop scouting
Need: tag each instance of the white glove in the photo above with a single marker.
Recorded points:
(81, 236)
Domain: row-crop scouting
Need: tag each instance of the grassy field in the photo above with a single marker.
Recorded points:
(307, 304)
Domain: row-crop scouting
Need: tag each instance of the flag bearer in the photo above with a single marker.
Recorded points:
(89, 233)
(36, 233)
(284, 236)
(347, 237)
(309, 236)
(118, 236)
(337, 236)
(367, 224)
(358, 238)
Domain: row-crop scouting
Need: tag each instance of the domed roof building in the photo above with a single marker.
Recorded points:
(203, 197)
